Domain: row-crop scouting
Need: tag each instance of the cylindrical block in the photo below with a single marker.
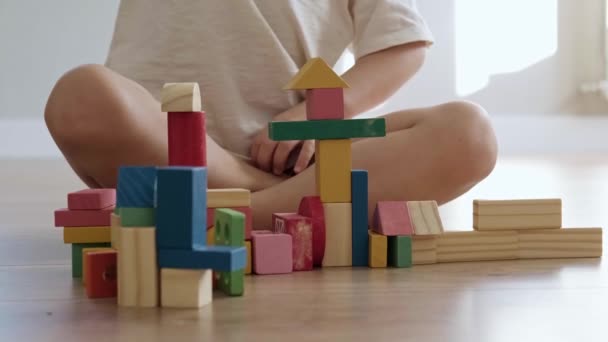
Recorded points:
(187, 139)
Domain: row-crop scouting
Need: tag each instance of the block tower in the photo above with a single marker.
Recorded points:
(345, 228)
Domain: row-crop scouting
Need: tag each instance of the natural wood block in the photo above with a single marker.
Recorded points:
(137, 267)
(83, 218)
(136, 187)
(272, 253)
(86, 234)
(424, 257)
(84, 256)
(228, 198)
(391, 218)
(181, 97)
(477, 246)
(325, 104)
(424, 242)
(560, 243)
(127, 268)
(518, 207)
(519, 222)
(333, 162)
(338, 235)
(559, 253)
(561, 235)
(472, 237)
(187, 138)
(300, 229)
(360, 220)
(477, 256)
(425, 217)
(326, 129)
(312, 207)
(399, 251)
(315, 73)
(101, 275)
(378, 250)
(91, 199)
(249, 256)
(189, 289)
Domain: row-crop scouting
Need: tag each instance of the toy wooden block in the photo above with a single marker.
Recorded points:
(114, 230)
(517, 214)
(560, 243)
(360, 242)
(378, 250)
(315, 74)
(136, 186)
(326, 129)
(391, 218)
(272, 253)
(477, 256)
(300, 229)
(147, 269)
(211, 236)
(424, 216)
(312, 207)
(249, 256)
(333, 166)
(231, 283)
(77, 256)
(245, 210)
(91, 199)
(399, 251)
(101, 276)
(180, 213)
(476, 246)
(424, 249)
(217, 258)
(86, 234)
(325, 104)
(83, 218)
(338, 235)
(228, 198)
(137, 217)
(187, 139)
(180, 97)
(84, 256)
(127, 267)
(190, 289)
(229, 228)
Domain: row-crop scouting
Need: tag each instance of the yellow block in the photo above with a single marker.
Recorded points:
(228, 198)
(315, 74)
(338, 234)
(378, 249)
(248, 267)
(211, 236)
(84, 264)
(333, 163)
(86, 234)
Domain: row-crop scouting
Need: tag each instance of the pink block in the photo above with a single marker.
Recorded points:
(248, 219)
(91, 199)
(391, 218)
(272, 253)
(263, 231)
(311, 206)
(325, 104)
(83, 218)
(300, 229)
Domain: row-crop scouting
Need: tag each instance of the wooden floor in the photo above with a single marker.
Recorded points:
(545, 300)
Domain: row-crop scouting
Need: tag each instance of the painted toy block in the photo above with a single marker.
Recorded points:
(312, 207)
(249, 255)
(101, 279)
(114, 230)
(300, 229)
(229, 228)
(560, 243)
(181, 288)
(187, 139)
(424, 216)
(231, 283)
(91, 199)
(217, 258)
(272, 253)
(245, 210)
(360, 242)
(211, 236)
(82, 218)
(315, 73)
(338, 235)
(517, 214)
(399, 251)
(333, 166)
(228, 198)
(86, 234)
(77, 256)
(391, 218)
(459, 246)
(378, 250)
(136, 187)
(85, 251)
(137, 217)
(326, 129)
(181, 97)
(261, 232)
(325, 104)
(180, 213)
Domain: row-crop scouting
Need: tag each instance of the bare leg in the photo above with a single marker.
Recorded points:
(433, 153)
(101, 120)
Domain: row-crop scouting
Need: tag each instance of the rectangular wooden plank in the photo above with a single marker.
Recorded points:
(424, 257)
(136, 186)
(187, 138)
(91, 199)
(187, 289)
(477, 256)
(474, 237)
(229, 228)
(561, 235)
(424, 242)
(338, 234)
(333, 162)
(425, 217)
(519, 222)
(378, 250)
(83, 218)
(228, 198)
(360, 240)
(518, 207)
(86, 234)
(326, 129)
(325, 104)
(559, 253)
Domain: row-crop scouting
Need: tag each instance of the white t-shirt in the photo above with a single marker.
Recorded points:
(242, 52)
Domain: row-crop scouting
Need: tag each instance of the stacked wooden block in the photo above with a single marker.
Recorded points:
(345, 241)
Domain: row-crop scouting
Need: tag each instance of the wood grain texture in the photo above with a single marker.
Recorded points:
(228, 198)
(424, 257)
(338, 234)
(181, 97)
(425, 217)
(137, 268)
(518, 207)
(187, 289)
(520, 222)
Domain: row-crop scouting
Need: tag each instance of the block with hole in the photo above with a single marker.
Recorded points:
(85, 251)
(217, 258)
(228, 198)
(229, 228)
(101, 277)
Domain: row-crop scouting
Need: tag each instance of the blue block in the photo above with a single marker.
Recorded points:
(217, 258)
(181, 213)
(360, 244)
(136, 187)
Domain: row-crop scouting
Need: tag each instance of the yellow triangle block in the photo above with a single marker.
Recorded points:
(316, 74)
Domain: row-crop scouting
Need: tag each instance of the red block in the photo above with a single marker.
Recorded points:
(83, 218)
(248, 219)
(300, 229)
(272, 253)
(187, 139)
(101, 275)
(325, 104)
(311, 206)
(391, 218)
(91, 199)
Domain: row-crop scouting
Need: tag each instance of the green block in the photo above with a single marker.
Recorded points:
(137, 217)
(400, 251)
(326, 129)
(231, 283)
(77, 256)
(229, 228)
